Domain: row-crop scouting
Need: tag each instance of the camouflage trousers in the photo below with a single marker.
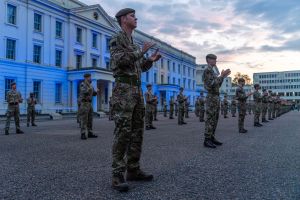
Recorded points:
(180, 115)
(197, 110)
(212, 115)
(273, 111)
(257, 112)
(233, 112)
(155, 113)
(264, 111)
(171, 113)
(128, 114)
(149, 115)
(201, 115)
(30, 115)
(270, 111)
(242, 114)
(225, 111)
(86, 117)
(13, 111)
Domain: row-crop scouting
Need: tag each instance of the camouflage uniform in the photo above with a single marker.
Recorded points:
(265, 100)
(222, 107)
(86, 109)
(31, 102)
(242, 99)
(257, 106)
(197, 107)
(181, 102)
(171, 109)
(150, 100)
(78, 115)
(201, 109)
(233, 107)
(270, 107)
(249, 107)
(165, 109)
(176, 108)
(225, 107)
(212, 84)
(186, 109)
(13, 98)
(127, 64)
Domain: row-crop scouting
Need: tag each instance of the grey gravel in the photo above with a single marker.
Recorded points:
(51, 162)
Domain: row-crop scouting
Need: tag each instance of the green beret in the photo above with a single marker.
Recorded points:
(31, 93)
(211, 56)
(149, 85)
(86, 75)
(181, 88)
(124, 12)
(256, 85)
(13, 83)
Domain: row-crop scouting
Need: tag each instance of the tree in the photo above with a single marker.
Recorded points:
(240, 75)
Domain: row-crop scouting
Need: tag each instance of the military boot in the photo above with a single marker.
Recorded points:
(83, 136)
(19, 131)
(119, 183)
(243, 131)
(152, 127)
(216, 142)
(148, 128)
(6, 132)
(92, 135)
(208, 143)
(138, 175)
(33, 124)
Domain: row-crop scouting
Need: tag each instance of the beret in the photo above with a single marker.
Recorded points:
(211, 56)
(86, 75)
(124, 11)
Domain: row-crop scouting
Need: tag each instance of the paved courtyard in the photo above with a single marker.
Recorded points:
(51, 162)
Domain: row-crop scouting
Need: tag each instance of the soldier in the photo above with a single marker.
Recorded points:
(257, 105)
(265, 100)
(13, 98)
(270, 107)
(273, 105)
(31, 102)
(171, 108)
(225, 106)
(78, 115)
(155, 109)
(222, 107)
(86, 109)
(242, 98)
(277, 105)
(150, 100)
(201, 107)
(212, 84)
(186, 108)
(181, 101)
(249, 107)
(197, 107)
(176, 107)
(165, 108)
(233, 107)
(110, 110)
(128, 63)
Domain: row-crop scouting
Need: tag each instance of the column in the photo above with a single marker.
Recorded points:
(94, 102)
(109, 88)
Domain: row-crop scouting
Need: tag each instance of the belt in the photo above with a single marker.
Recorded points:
(131, 80)
(14, 104)
(87, 101)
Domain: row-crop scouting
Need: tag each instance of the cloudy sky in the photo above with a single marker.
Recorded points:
(247, 35)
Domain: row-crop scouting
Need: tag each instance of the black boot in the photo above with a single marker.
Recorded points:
(27, 124)
(6, 132)
(216, 142)
(92, 135)
(152, 127)
(33, 124)
(148, 128)
(259, 125)
(184, 123)
(119, 183)
(83, 136)
(243, 131)
(19, 131)
(138, 175)
(208, 143)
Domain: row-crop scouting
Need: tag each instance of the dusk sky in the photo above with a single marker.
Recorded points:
(247, 35)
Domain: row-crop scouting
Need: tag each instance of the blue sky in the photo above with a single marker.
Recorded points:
(247, 35)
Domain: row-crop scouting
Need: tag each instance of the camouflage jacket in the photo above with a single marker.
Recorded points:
(240, 95)
(14, 96)
(181, 100)
(150, 99)
(212, 83)
(31, 102)
(257, 97)
(127, 59)
(265, 98)
(233, 104)
(225, 103)
(202, 103)
(86, 92)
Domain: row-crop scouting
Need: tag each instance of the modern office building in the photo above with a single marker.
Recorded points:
(47, 46)
(286, 83)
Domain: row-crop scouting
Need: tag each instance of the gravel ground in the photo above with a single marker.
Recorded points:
(51, 162)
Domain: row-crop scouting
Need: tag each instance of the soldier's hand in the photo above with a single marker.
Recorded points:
(147, 46)
(225, 73)
(155, 56)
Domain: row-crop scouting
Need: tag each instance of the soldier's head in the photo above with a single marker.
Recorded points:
(225, 96)
(211, 59)
(256, 86)
(201, 94)
(31, 94)
(270, 91)
(149, 87)
(87, 77)
(126, 18)
(13, 85)
(241, 81)
(181, 89)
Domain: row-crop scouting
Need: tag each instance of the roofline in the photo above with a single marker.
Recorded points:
(276, 72)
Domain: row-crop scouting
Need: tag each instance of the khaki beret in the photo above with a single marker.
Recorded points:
(86, 75)
(124, 12)
(256, 85)
(211, 56)
(13, 83)
(181, 88)
(148, 85)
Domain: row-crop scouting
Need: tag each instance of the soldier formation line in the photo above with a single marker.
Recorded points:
(132, 116)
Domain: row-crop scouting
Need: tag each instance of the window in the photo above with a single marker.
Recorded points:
(11, 14)
(162, 63)
(147, 77)
(37, 22)
(37, 90)
(8, 82)
(78, 61)
(58, 58)
(168, 79)
(162, 79)
(174, 81)
(107, 63)
(155, 78)
(107, 44)
(58, 92)
(174, 70)
(94, 62)
(11, 49)
(168, 65)
(79, 35)
(184, 82)
(189, 84)
(94, 42)
(58, 30)
(183, 70)
(179, 82)
(37, 50)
